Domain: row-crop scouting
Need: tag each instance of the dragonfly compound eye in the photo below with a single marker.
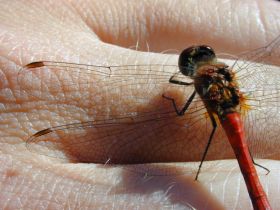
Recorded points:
(193, 57)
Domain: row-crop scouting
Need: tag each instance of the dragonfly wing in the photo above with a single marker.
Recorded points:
(98, 87)
(145, 138)
(267, 54)
(49, 80)
(260, 84)
(261, 112)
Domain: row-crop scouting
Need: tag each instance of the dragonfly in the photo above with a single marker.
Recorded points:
(140, 115)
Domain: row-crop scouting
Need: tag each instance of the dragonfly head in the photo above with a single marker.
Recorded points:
(193, 57)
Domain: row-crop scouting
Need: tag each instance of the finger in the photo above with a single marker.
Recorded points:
(229, 26)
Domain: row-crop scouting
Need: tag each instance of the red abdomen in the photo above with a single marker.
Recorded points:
(234, 129)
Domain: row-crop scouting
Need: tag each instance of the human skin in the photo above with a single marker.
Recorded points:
(80, 32)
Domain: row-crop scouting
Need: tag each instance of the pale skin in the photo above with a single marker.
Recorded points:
(72, 32)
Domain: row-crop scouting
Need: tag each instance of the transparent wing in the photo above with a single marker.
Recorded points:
(268, 54)
(51, 81)
(260, 83)
(145, 138)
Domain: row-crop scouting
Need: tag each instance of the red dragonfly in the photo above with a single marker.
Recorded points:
(139, 115)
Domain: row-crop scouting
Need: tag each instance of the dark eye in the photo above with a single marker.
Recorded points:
(191, 57)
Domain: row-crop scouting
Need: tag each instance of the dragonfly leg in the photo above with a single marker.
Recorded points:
(214, 124)
(266, 169)
(186, 106)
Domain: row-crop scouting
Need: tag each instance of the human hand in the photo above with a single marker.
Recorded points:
(32, 31)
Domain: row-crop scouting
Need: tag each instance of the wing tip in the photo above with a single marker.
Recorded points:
(35, 64)
(42, 132)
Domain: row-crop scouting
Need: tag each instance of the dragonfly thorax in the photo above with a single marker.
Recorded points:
(218, 89)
